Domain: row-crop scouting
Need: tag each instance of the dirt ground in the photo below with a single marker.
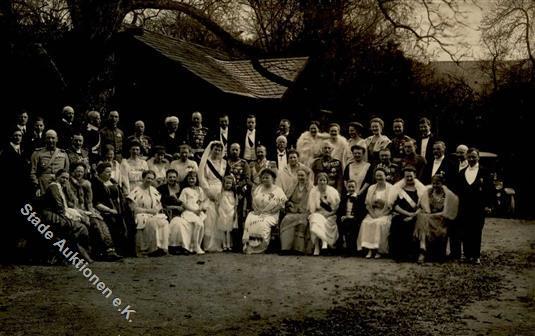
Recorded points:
(233, 294)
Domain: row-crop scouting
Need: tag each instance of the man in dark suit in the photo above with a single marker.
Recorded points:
(66, 127)
(474, 188)
(439, 165)
(349, 216)
(284, 129)
(92, 137)
(36, 138)
(413, 159)
(250, 139)
(424, 147)
(223, 134)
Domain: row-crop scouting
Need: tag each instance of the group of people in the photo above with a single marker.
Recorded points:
(192, 190)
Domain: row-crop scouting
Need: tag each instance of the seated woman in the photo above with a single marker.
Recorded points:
(170, 192)
(323, 203)
(440, 207)
(294, 224)
(158, 164)
(108, 200)
(82, 199)
(65, 222)
(116, 171)
(152, 226)
(374, 230)
(403, 245)
(287, 176)
(187, 231)
(133, 167)
(268, 200)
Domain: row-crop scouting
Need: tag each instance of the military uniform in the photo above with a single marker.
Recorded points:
(115, 137)
(333, 169)
(197, 136)
(45, 163)
(81, 156)
(396, 148)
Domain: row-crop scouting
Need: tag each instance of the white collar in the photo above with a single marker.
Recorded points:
(91, 127)
(439, 159)
(474, 167)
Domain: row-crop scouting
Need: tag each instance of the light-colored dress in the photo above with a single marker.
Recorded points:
(160, 169)
(375, 145)
(294, 224)
(322, 219)
(287, 178)
(339, 151)
(133, 171)
(211, 185)
(181, 231)
(257, 228)
(227, 219)
(357, 172)
(309, 148)
(183, 168)
(152, 230)
(374, 231)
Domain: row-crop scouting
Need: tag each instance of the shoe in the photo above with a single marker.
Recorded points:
(198, 250)
(369, 255)
(158, 253)
(112, 256)
(421, 259)
(378, 256)
(316, 251)
(477, 261)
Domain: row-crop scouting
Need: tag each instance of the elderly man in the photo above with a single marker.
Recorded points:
(329, 165)
(259, 164)
(281, 156)
(197, 131)
(461, 156)
(77, 153)
(92, 137)
(171, 138)
(440, 165)
(474, 188)
(398, 140)
(66, 126)
(392, 170)
(112, 135)
(45, 162)
(139, 136)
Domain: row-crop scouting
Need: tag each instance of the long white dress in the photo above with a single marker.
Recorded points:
(227, 219)
(322, 219)
(211, 185)
(374, 231)
(132, 169)
(257, 228)
(309, 148)
(182, 229)
(152, 230)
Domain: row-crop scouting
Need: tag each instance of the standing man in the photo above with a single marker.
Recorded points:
(461, 156)
(439, 165)
(332, 167)
(281, 154)
(398, 140)
(426, 140)
(144, 140)
(392, 170)
(171, 139)
(92, 137)
(45, 162)
(78, 154)
(22, 123)
(36, 139)
(197, 133)
(284, 129)
(251, 140)
(112, 135)
(66, 127)
(413, 159)
(259, 164)
(223, 134)
(239, 168)
(474, 186)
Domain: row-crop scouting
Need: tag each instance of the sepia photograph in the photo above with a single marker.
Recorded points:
(267, 167)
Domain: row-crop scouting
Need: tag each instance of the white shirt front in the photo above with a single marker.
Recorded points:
(471, 173)
(423, 147)
(436, 165)
(463, 165)
(15, 147)
(223, 134)
(281, 159)
(250, 147)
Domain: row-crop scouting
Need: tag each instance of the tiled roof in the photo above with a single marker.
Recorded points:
(268, 78)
